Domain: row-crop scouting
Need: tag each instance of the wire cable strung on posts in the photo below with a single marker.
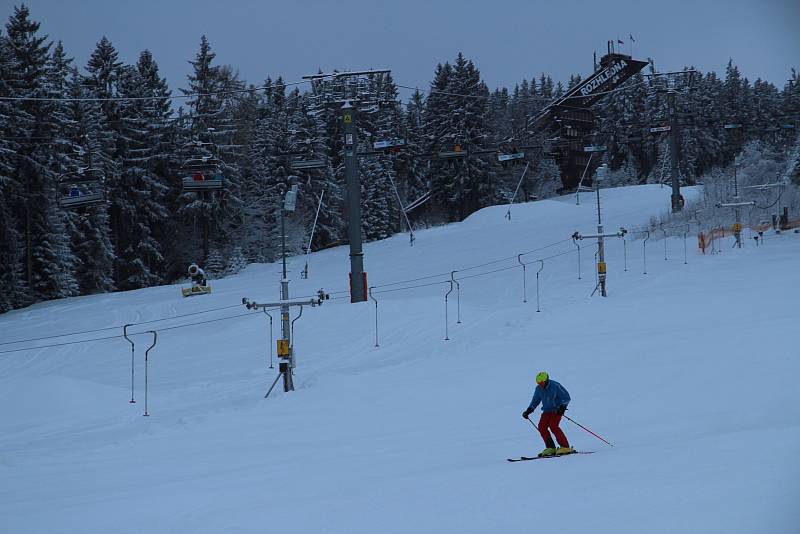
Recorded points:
(67, 343)
(144, 98)
(115, 327)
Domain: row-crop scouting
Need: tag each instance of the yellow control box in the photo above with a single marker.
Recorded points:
(601, 267)
(283, 347)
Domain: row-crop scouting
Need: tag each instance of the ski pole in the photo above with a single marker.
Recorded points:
(586, 429)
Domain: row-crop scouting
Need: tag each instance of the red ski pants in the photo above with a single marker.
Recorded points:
(549, 422)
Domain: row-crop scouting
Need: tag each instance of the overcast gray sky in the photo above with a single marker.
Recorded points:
(506, 40)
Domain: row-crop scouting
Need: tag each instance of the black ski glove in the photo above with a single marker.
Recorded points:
(562, 409)
(526, 413)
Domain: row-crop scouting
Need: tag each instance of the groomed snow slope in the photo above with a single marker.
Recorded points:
(690, 370)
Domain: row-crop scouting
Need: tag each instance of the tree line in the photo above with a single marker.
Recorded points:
(123, 121)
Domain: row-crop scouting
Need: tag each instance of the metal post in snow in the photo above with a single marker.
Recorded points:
(665, 241)
(625, 252)
(271, 341)
(685, 235)
(446, 336)
(291, 345)
(125, 335)
(644, 250)
(574, 240)
(458, 296)
(596, 275)
(524, 279)
(376, 314)
(537, 284)
(146, 358)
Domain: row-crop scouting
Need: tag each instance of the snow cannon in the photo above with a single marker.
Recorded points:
(199, 283)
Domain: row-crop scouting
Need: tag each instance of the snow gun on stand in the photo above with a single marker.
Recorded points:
(199, 282)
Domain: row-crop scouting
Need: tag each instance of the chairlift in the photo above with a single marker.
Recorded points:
(389, 145)
(205, 174)
(732, 126)
(307, 164)
(510, 157)
(200, 181)
(81, 188)
(456, 153)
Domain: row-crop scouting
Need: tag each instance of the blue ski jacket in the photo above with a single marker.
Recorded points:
(551, 397)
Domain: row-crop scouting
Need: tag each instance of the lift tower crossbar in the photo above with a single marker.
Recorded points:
(286, 344)
(600, 236)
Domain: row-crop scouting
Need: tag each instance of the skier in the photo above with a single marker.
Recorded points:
(554, 399)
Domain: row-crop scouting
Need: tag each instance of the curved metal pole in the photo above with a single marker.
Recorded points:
(458, 296)
(524, 279)
(665, 241)
(146, 359)
(685, 235)
(292, 327)
(376, 314)
(625, 252)
(271, 341)
(446, 336)
(125, 335)
(644, 249)
(537, 285)
(579, 256)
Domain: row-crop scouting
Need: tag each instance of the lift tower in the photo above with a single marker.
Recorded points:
(352, 92)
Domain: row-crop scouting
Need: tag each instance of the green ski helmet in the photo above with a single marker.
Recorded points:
(542, 377)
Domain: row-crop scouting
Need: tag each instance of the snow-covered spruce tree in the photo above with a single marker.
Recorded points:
(380, 210)
(469, 184)
(49, 262)
(439, 136)
(103, 71)
(253, 134)
(13, 286)
(14, 291)
(316, 134)
(141, 193)
(411, 170)
(209, 216)
(88, 229)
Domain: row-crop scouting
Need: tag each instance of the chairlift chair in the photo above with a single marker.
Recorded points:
(512, 158)
(307, 164)
(204, 174)
(456, 153)
(81, 188)
(389, 145)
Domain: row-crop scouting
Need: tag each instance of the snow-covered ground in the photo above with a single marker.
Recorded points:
(690, 370)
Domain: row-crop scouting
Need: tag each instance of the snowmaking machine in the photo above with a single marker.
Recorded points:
(199, 282)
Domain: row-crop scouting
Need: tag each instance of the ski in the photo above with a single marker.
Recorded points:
(526, 458)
